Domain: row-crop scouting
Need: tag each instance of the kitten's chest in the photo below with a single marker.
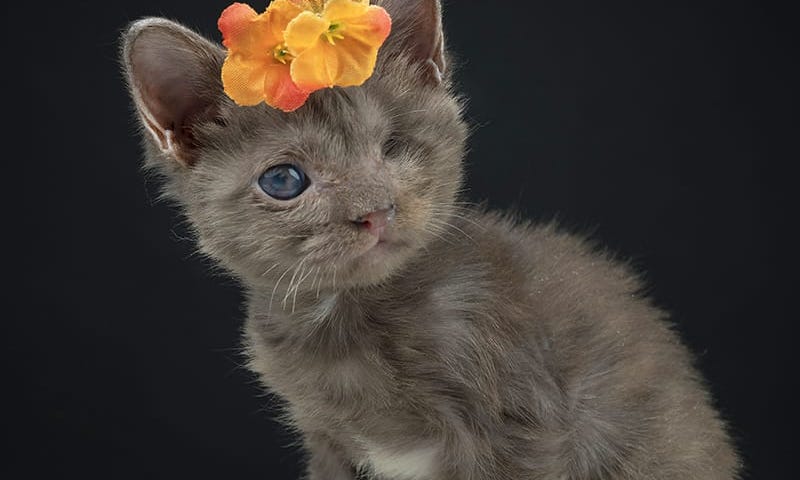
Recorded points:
(354, 387)
(327, 360)
(401, 462)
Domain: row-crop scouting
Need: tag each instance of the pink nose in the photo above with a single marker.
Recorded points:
(377, 221)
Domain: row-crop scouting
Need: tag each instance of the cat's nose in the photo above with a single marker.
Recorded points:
(377, 221)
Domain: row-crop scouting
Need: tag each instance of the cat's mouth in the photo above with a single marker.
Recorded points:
(381, 241)
(377, 257)
(382, 236)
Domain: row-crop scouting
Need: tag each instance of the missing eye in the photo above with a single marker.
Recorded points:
(393, 146)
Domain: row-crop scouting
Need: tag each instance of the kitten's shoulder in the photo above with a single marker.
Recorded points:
(542, 252)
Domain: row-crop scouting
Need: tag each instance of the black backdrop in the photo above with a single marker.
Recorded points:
(667, 128)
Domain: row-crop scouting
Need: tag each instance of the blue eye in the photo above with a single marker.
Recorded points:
(283, 182)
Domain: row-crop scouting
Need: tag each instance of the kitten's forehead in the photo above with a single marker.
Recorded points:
(348, 111)
(336, 125)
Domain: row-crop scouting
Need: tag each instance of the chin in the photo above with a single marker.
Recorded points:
(376, 264)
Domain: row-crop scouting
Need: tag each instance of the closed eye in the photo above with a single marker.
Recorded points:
(393, 146)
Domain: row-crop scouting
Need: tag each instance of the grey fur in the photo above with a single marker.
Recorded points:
(474, 347)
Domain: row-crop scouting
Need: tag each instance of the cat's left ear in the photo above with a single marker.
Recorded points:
(174, 79)
(417, 31)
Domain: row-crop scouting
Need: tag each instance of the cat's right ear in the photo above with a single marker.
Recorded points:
(174, 79)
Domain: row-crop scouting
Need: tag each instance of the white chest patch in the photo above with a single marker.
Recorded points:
(417, 464)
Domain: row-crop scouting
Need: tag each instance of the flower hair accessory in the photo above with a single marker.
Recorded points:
(297, 47)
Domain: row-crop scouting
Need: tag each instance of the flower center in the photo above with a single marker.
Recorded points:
(334, 33)
(281, 53)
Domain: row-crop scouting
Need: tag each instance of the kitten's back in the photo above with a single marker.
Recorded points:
(578, 358)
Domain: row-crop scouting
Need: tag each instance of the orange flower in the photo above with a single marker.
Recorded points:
(335, 42)
(257, 67)
(297, 47)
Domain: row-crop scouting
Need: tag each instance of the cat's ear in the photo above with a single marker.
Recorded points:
(174, 78)
(417, 31)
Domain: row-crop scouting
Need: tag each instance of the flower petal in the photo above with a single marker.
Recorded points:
(371, 28)
(280, 13)
(243, 79)
(357, 62)
(280, 91)
(234, 20)
(305, 32)
(348, 63)
(316, 68)
(244, 31)
(343, 10)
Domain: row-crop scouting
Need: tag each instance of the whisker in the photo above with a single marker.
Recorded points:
(294, 275)
(320, 280)
(296, 288)
(275, 288)
(266, 272)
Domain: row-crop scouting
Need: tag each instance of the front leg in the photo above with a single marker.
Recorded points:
(326, 461)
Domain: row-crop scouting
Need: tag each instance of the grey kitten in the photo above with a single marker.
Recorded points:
(412, 337)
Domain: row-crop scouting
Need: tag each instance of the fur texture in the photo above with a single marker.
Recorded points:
(467, 346)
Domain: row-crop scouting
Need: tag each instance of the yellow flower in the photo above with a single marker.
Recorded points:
(257, 67)
(336, 42)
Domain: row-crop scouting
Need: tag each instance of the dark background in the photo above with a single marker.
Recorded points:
(667, 128)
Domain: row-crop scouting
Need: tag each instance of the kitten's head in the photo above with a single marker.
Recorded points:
(344, 190)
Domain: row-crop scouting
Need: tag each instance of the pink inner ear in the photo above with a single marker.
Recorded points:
(173, 76)
(163, 88)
